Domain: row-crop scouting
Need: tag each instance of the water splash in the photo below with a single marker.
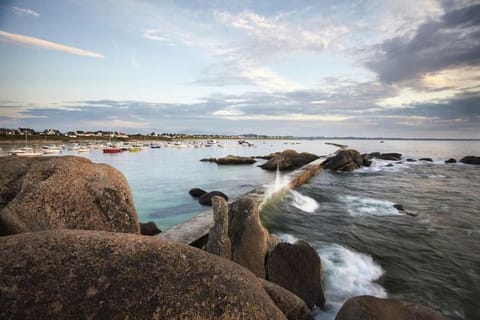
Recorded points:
(280, 184)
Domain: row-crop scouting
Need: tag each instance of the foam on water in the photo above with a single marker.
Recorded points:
(357, 206)
(281, 182)
(303, 202)
(347, 274)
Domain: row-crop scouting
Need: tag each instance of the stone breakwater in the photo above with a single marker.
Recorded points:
(52, 269)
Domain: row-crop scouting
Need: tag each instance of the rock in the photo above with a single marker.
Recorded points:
(270, 156)
(389, 165)
(197, 192)
(344, 160)
(426, 159)
(399, 207)
(411, 160)
(371, 308)
(248, 237)
(206, 199)
(366, 161)
(386, 156)
(149, 229)
(74, 274)
(235, 160)
(288, 160)
(297, 268)
(451, 160)
(209, 160)
(470, 160)
(218, 240)
(69, 192)
(292, 306)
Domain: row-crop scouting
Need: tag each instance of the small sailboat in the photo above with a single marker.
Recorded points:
(25, 151)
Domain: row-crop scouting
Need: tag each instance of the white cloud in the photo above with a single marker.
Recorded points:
(44, 44)
(24, 12)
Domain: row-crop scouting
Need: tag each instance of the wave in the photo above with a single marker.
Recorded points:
(347, 274)
(357, 206)
(303, 202)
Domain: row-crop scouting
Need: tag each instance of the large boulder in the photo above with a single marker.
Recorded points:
(288, 160)
(292, 306)
(470, 160)
(249, 239)
(371, 308)
(344, 160)
(206, 199)
(297, 268)
(63, 192)
(218, 241)
(73, 274)
(235, 160)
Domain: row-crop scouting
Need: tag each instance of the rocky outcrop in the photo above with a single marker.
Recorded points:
(235, 160)
(74, 274)
(426, 159)
(371, 308)
(288, 160)
(297, 268)
(218, 240)
(249, 239)
(206, 199)
(230, 160)
(149, 228)
(196, 192)
(63, 192)
(470, 160)
(386, 156)
(344, 160)
(451, 160)
(292, 306)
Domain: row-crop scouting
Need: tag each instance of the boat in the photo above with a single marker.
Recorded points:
(83, 149)
(112, 150)
(52, 150)
(222, 145)
(25, 151)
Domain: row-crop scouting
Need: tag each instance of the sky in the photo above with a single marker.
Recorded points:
(407, 68)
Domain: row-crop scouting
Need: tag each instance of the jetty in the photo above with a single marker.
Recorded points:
(195, 231)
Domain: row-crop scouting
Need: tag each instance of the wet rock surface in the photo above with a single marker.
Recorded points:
(206, 199)
(149, 228)
(345, 160)
(288, 160)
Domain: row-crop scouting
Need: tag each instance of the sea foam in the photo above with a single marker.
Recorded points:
(358, 206)
(303, 202)
(347, 274)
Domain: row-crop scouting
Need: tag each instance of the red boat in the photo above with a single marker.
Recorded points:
(112, 150)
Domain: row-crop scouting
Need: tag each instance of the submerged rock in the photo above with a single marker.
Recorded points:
(297, 268)
(426, 159)
(371, 308)
(393, 156)
(344, 160)
(149, 229)
(206, 199)
(451, 160)
(249, 239)
(73, 274)
(288, 160)
(292, 306)
(399, 207)
(69, 192)
(196, 192)
(470, 160)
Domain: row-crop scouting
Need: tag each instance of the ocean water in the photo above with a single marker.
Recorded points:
(366, 245)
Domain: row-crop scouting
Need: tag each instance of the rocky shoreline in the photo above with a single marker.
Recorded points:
(70, 247)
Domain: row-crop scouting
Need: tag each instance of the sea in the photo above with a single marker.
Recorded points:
(428, 254)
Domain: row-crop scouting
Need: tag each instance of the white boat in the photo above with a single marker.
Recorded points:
(83, 149)
(222, 145)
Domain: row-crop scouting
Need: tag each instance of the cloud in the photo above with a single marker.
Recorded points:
(44, 44)
(452, 41)
(24, 12)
